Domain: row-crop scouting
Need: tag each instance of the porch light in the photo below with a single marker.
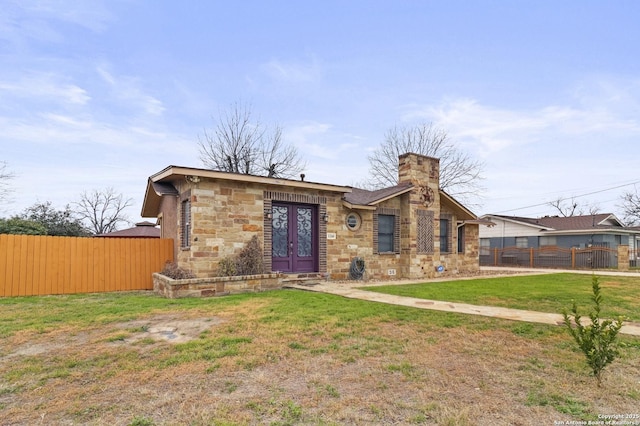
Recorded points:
(325, 217)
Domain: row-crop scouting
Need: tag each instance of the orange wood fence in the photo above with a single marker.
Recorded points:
(40, 265)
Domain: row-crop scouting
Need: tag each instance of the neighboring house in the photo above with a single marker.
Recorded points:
(573, 232)
(412, 230)
(141, 230)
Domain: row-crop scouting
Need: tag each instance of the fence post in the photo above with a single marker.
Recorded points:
(531, 257)
(573, 258)
(623, 258)
(495, 256)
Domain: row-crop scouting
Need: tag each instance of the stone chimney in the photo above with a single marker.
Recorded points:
(420, 170)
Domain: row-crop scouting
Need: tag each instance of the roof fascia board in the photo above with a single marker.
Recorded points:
(388, 197)
(171, 171)
(593, 231)
(519, 222)
(456, 204)
(150, 195)
(611, 217)
(357, 206)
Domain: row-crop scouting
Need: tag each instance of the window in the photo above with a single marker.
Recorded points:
(185, 224)
(444, 235)
(159, 223)
(386, 228)
(353, 221)
(461, 239)
(485, 246)
(522, 242)
(548, 241)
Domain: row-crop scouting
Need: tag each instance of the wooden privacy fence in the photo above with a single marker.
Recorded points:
(553, 257)
(41, 265)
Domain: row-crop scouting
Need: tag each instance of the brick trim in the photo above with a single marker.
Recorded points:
(289, 197)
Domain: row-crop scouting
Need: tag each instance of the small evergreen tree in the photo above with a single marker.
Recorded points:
(597, 340)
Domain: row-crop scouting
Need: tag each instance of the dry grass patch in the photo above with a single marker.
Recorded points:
(301, 358)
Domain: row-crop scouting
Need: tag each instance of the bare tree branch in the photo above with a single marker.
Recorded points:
(103, 210)
(240, 144)
(570, 207)
(5, 177)
(631, 207)
(460, 175)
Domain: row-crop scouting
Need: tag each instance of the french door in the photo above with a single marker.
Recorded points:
(294, 237)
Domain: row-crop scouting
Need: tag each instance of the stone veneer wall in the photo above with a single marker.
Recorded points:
(423, 172)
(623, 257)
(215, 286)
(225, 215)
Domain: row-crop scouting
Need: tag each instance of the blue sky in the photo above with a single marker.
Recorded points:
(97, 94)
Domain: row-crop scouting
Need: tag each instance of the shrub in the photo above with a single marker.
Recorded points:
(227, 267)
(16, 225)
(598, 340)
(247, 262)
(173, 271)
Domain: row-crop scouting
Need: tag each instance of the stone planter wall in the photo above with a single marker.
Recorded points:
(214, 286)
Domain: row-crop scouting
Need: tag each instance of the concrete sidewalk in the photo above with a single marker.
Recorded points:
(348, 290)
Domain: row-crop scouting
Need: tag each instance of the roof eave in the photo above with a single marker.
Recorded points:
(457, 205)
(519, 222)
(150, 197)
(593, 231)
(352, 206)
(179, 172)
(388, 197)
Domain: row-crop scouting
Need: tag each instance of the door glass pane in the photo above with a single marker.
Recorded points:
(305, 234)
(279, 233)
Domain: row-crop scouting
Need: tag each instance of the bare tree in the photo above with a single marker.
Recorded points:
(570, 207)
(460, 175)
(103, 210)
(5, 176)
(240, 144)
(631, 207)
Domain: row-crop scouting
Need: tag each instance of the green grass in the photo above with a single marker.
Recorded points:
(46, 313)
(275, 328)
(544, 293)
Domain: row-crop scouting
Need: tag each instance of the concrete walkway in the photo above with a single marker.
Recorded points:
(349, 290)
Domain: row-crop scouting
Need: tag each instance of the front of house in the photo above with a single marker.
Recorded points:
(411, 230)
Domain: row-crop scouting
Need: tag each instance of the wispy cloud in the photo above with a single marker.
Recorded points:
(602, 114)
(293, 71)
(43, 86)
(128, 90)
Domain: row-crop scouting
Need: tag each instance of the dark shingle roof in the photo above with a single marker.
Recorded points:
(571, 223)
(141, 230)
(365, 197)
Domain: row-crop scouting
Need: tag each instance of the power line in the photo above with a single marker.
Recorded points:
(570, 198)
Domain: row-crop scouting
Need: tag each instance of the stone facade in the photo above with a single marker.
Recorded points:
(214, 286)
(226, 210)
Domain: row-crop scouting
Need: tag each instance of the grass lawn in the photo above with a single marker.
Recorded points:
(544, 293)
(291, 357)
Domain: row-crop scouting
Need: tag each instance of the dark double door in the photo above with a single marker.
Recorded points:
(294, 237)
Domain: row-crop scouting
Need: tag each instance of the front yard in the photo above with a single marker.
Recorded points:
(292, 357)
